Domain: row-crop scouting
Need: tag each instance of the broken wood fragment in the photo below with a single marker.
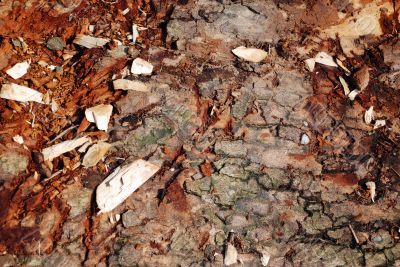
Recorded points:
(90, 41)
(141, 66)
(325, 59)
(18, 70)
(124, 84)
(100, 115)
(20, 93)
(250, 54)
(95, 154)
(122, 182)
(54, 151)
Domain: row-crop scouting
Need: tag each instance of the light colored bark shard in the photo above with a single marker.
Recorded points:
(54, 151)
(372, 190)
(250, 54)
(141, 66)
(369, 115)
(231, 255)
(18, 70)
(54, 106)
(310, 64)
(20, 93)
(18, 139)
(125, 11)
(135, 33)
(353, 95)
(90, 41)
(379, 123)
(95, 154)
(346, 88)
(100, 115)
(84, 147)
(122, 182)
(325, 59)
(124, 84)
(265, 259)
(340, 64)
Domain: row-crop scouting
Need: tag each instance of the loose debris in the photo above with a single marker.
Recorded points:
(372, 189)
(305, 140)
(141, 66)
(18, 139)
(135, 33)
(341, 65)
(55, 43)
(265, 259)
(49, 153)
(100, 115)
(325, 59)
(250, 54)
(122, 182)
(345, 86)
(18, 70)
(310, 64)
(231, 255)
(20, 93)
(90, 41)
(354, 234)
(95, 154)
(227, 132)
(124, 84)
(352, 95)
(379, 123)
(369, 115)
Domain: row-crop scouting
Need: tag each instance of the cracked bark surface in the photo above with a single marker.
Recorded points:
(227, 132)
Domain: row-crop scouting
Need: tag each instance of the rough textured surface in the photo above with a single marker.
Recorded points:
(227, 133)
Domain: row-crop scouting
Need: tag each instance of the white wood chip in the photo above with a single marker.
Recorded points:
(18, 139)
(265, 259)
(353, 94)
(325, 59)
(310, 64)
(54, 151)
(231, 255)
(250, 54)
(369, 115)
(95, 154)
(122, 182)
(90, 41)
(346, 70)
(84, 147)
(100, 115)
(141, 66)
(135, 33)
(18, 70)
(124, 84)
(125, 11)
(379, 123)
(53, 106)
(20, 93)
(345, 86)
(372, 190)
